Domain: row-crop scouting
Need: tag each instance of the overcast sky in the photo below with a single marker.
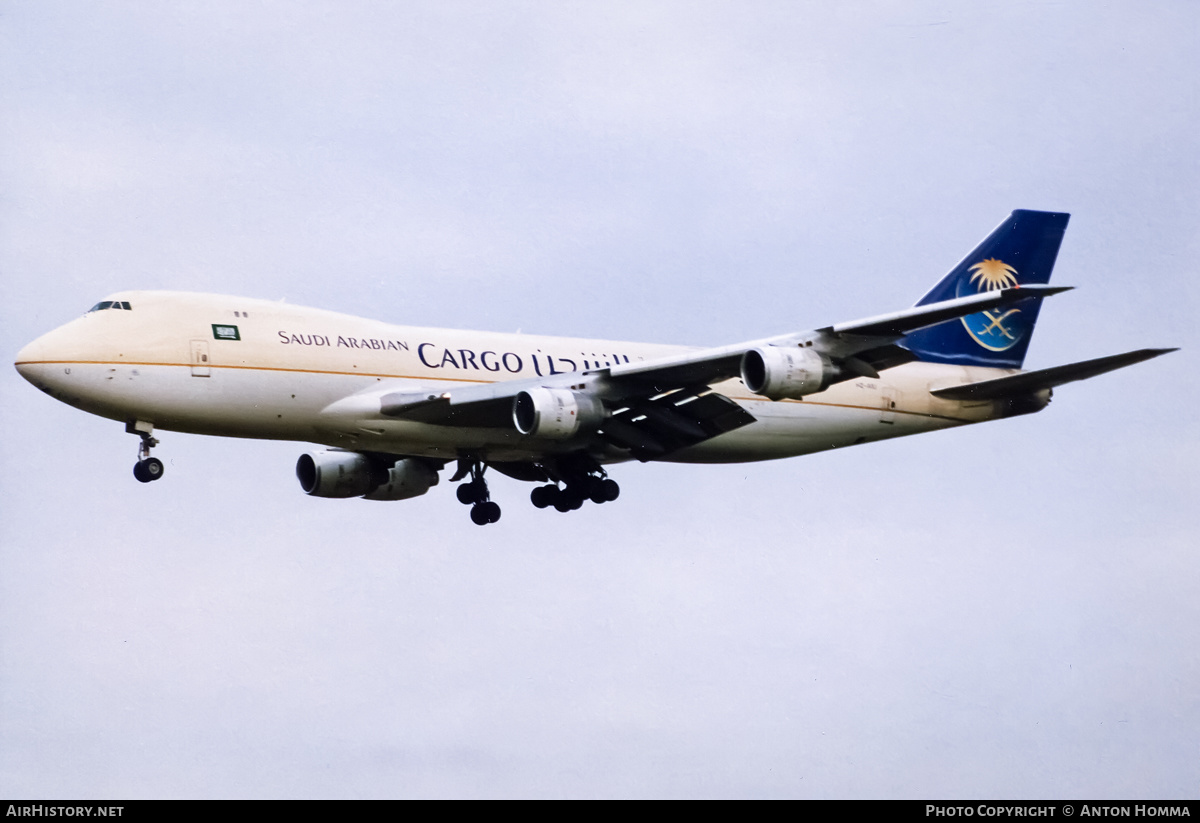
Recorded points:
(1006, 610)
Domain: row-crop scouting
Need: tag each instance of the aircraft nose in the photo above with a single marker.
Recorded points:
(27, 368)
(35, 360)
(25, 361)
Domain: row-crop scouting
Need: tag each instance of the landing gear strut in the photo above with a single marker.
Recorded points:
(147, 468)
(582, 481)
(474, 492)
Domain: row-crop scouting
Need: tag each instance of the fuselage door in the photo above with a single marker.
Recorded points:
(200, 365)
(887, 405)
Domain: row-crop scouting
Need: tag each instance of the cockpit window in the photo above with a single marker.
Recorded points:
(111, 304)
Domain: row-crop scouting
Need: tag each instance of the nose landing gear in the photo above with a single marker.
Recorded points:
(148, 468)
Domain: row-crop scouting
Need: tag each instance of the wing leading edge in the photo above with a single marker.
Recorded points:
(839, 342)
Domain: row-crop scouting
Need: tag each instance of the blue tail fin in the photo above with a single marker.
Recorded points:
(1021, 250)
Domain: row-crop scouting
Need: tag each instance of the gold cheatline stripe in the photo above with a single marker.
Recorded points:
(245, 368)
(754, 399)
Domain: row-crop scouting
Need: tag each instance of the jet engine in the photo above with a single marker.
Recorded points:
(336, 474)
(408, 478)
(333, 473)
(555, 413)
(1023, 404)
(777, 372)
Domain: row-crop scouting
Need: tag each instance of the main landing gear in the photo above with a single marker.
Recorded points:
(147, 468)
(574, 479)
(474, 492)
(584, 483)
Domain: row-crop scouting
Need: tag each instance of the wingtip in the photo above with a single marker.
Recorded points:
(1142, 355)
(1038, 289)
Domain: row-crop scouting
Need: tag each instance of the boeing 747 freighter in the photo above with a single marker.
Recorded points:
(389, 406)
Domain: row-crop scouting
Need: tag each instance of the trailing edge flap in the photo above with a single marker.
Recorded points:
(885, 357)
(649, 427)
(1032, 381)
(657, 426)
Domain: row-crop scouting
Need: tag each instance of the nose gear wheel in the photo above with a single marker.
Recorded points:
(147, 469)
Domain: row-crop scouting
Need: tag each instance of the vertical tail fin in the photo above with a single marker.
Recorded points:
(1021, 250)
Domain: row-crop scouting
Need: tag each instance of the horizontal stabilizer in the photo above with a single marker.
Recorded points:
(1032, 381)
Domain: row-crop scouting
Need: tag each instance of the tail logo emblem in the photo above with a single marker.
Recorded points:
(995, 330)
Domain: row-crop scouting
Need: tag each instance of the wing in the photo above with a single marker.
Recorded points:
(839, 342)
(659, 406)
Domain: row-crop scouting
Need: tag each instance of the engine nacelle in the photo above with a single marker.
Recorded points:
(336, 474)
(777, 372)
(555, 413)
(408, 478)
(1023, 404)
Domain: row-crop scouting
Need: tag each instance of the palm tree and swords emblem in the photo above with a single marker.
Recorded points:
(992, 329)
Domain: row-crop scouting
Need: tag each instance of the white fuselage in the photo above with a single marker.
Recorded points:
(275, 371)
